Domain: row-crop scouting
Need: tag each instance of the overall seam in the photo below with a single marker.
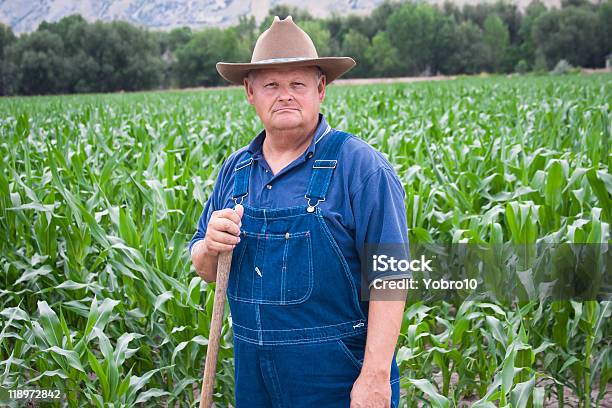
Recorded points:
(297, 341)
(276, 384)
(258, 321)
(350, 355)
(345, 267)
(237, 270)
(301, 208)
(312, 327)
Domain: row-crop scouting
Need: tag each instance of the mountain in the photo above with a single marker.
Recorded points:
(25, 15)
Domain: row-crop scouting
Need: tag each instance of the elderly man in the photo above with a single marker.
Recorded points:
(297, 207)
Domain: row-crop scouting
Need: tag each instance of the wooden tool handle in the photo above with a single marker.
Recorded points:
(208, 381)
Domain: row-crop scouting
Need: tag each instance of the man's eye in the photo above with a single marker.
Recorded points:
(298, 84)
(270, 84)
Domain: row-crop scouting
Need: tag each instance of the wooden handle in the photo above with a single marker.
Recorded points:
(208, 381)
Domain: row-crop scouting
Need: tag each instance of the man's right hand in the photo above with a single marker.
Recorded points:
(222, 234)
(223, 230)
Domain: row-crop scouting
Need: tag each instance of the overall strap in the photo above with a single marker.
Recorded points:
(323, 168)
(242, 171)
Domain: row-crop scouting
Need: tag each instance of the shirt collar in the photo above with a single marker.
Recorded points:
(256, 145)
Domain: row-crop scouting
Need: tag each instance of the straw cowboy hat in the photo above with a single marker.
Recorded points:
(285, 44)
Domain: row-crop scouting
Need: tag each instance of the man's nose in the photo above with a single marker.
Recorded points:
(284, 93)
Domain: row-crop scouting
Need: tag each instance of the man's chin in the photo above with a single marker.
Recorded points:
(287, 123)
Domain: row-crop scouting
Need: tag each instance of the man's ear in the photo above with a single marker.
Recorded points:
(248, 89)
(321, 87)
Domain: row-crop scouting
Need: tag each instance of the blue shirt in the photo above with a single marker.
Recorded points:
(364, 203)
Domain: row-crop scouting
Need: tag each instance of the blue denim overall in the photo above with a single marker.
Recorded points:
(299, 332)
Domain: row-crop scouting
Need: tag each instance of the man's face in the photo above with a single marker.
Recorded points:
(286, 99)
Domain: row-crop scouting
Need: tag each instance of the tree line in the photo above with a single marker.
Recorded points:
(396, 39)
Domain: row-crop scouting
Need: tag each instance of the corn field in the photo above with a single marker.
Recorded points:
(100, 194)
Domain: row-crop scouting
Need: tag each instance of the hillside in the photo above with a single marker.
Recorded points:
(25, 15)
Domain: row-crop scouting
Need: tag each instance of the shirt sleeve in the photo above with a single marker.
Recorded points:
(380, 224)
(212, 204)
(202, 223)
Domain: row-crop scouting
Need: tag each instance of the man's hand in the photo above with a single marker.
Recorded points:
(371, 390)
(223, 230)
(222, 234)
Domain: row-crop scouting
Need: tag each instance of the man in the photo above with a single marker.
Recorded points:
(297, 206)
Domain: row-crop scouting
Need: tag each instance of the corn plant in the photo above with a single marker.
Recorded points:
(100, 194)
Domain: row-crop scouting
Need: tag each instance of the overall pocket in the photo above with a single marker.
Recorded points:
(354, 349)
(272, 268)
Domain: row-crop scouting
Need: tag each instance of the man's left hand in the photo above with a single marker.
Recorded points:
(371, 390)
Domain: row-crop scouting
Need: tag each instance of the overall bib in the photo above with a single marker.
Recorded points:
(299, 331)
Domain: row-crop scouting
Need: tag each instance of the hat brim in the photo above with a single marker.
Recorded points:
(332, 67)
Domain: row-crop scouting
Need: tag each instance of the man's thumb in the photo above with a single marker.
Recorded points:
(239, 210)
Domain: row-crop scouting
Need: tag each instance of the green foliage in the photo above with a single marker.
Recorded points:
(469, 55)
(196, 60)
(562, 67)
(37, 64)
(6, 38)
(496, 40)
(74, 56)
(527, 45)
(557, 34)
(604, 15)
(357, 45)
(175, 39)
(100, 194)
(413, 27)
(383, 57)
(320, 36)
(396, 39)
(521, 67)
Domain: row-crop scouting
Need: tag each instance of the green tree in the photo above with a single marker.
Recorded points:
(319, 34)
(383, 57)
(196, 60)
(397, 38)
(247, 31)
(574, 3)
(355, 45)
(496, 39)
(470, 50)
(6, 39)
(69, 29)
(170, 41)
(84, 57)
(527, 45)
(73, 30)
(37, 64)
(444, 44)
(507, 11)
(6, 36)
(413, 27)
(119, 56)
(380, 15)
(339, 26)
(604, 14)
(570, 33)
